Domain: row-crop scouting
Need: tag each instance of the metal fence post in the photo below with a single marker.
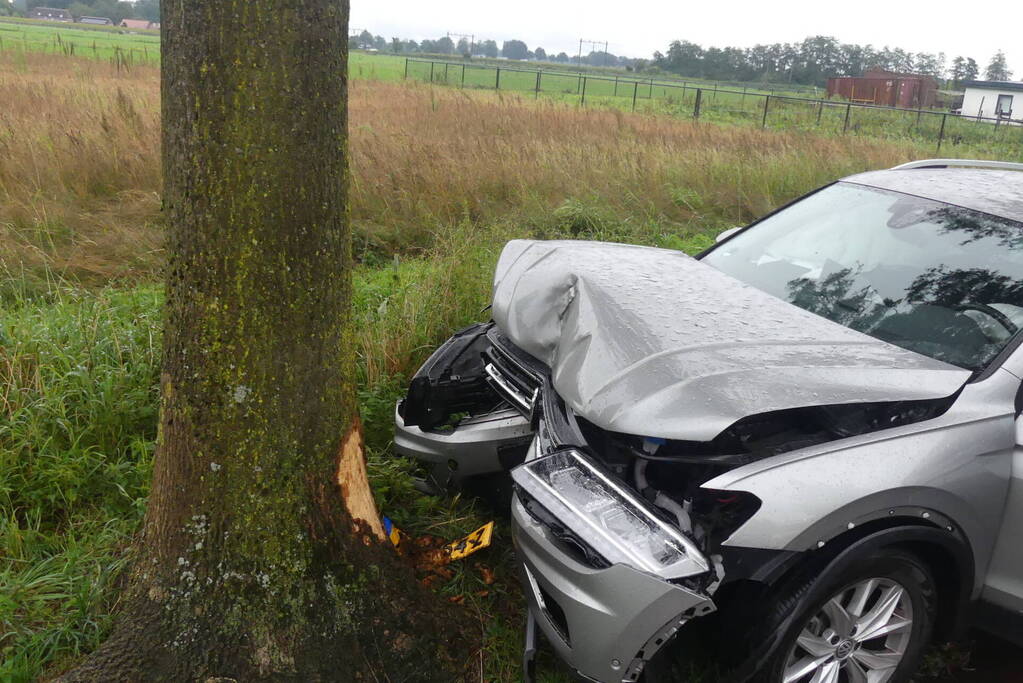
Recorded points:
(446, 74)
(463, 75)
(767, 103)
(941, 133)
(635, 93)
(743, 104)
(583, 100)
(431, 72)
(616, 86)
(820, 110)
(848, 111)
(406, 68)
(538, 73)
(651, 95)
(497, 80)
(696, 107)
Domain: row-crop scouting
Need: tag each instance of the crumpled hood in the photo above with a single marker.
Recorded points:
(652, 342)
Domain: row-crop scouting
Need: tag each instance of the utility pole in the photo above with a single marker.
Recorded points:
(593, 44)
(464, 36)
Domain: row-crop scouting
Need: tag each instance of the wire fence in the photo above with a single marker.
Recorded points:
(751, 106)
(99, 45)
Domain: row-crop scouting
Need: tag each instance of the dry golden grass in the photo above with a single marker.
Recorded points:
(80, 174)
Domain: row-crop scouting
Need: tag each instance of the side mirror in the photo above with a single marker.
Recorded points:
(728, 233)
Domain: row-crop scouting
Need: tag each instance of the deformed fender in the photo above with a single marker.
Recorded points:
(951, 471)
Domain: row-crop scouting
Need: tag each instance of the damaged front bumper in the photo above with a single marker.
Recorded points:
(609, 577)
(604, 622)
(478, 446)
(461, 418)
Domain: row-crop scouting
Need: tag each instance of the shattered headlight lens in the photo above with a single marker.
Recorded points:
(607, 516)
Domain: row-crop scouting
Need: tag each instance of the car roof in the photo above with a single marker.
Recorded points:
(999, 193)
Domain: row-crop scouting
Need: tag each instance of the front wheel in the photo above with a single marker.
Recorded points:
(872, 626)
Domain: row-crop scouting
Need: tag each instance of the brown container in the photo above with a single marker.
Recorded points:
(885, 89)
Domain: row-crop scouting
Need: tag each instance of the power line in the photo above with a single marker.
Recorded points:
(593, 45)
(465, 36)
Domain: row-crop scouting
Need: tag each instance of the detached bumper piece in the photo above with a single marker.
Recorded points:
(477, 446)
(608, 581)
(467, 411)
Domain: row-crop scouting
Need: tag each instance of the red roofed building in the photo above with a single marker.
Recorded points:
(139, 24)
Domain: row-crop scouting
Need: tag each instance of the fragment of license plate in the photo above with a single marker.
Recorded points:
(477, 540)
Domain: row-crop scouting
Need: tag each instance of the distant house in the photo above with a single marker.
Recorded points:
(51, 14)
(1002, 100)
(98, 21)
(139, 24)
(886, 89)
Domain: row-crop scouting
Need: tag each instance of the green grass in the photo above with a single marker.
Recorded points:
(99, 42)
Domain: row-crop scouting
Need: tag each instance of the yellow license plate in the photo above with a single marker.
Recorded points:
(477, 540)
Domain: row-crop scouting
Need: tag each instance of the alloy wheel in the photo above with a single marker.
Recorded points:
(860, 635)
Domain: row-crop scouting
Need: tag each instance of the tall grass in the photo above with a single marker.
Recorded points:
(80, 174)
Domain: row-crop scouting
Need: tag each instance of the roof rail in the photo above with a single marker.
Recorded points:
(961, 163)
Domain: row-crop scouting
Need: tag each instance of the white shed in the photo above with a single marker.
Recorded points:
(993, 99)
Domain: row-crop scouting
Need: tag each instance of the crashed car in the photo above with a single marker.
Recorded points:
(806, 434)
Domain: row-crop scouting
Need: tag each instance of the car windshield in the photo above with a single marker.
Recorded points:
(933, 278)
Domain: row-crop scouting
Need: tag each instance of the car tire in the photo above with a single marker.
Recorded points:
(864, 591)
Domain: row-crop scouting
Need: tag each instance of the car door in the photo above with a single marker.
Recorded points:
(1004, 584)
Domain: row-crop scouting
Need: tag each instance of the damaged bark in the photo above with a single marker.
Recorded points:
(262, 555)
(354, 483)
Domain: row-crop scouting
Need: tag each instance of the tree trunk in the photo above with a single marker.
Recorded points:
(251, 565)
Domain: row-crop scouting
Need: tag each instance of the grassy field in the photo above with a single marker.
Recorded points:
(441, 179)
(731, 105)
(96, 42)
(592, 87)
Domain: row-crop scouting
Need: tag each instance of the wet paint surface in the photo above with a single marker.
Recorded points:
(999, 193)
(650, 341)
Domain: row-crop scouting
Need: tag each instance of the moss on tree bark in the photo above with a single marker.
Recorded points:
(250, 565)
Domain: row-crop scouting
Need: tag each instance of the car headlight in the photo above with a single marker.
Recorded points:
(611, 519)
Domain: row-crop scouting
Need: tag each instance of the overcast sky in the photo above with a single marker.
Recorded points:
(636, 28)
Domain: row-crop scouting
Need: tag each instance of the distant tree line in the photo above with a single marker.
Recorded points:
(815, 59)
(115, 10)
(809, 62)
(509, 49)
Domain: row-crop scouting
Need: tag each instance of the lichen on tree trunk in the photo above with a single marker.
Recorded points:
(250, 564)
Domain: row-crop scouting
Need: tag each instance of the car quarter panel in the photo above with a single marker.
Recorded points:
(952, 471)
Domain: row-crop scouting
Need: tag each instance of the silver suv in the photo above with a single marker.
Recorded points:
(805, 439)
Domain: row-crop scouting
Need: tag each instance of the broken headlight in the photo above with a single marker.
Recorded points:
(608, 517)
